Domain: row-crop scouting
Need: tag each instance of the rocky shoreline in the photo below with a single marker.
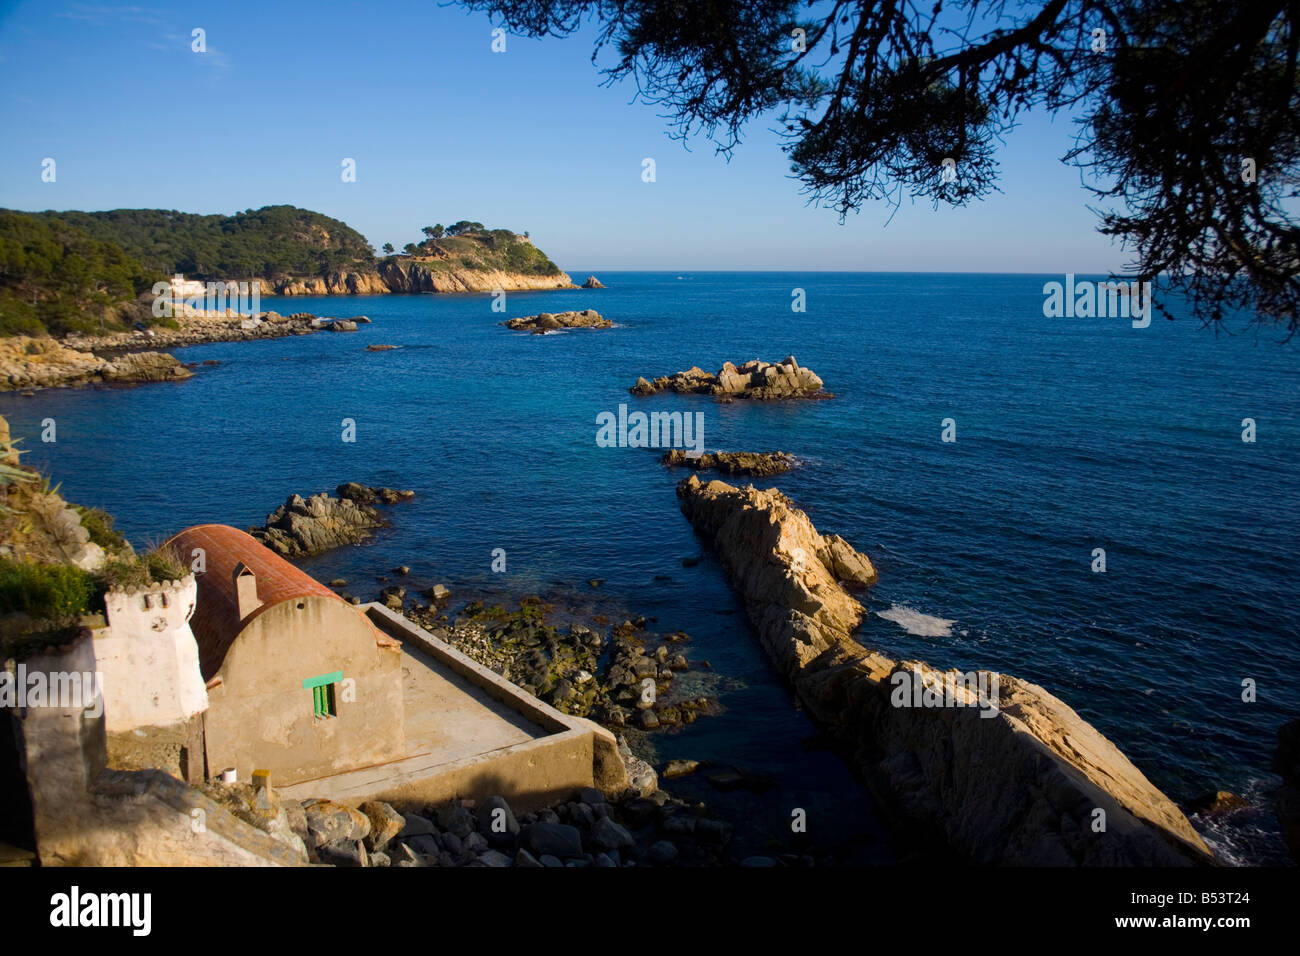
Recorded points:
(638, 828)
(29, 363)
(32, 363)
(1011, 778)
(755, 380)
(624, 678)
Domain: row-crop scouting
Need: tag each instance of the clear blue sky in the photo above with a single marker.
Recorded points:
(442, 128)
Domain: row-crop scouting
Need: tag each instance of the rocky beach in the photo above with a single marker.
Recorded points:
(32, 362)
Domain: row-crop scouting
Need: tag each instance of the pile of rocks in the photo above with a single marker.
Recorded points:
(563, 667)
(589, 831)
(305, 526)
(757, 464)
(755, 379)
(545, 322)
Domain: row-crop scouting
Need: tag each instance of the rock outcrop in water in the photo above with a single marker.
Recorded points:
(545, 322)
(1015, 777)
(753, 380)
(46, 363)
(304, 526)
(757, 464)
(593, 283)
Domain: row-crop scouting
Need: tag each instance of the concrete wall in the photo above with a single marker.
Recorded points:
(260, 716)
(580, 754)
(147, 657)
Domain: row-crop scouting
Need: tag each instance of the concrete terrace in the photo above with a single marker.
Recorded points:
(469, 733)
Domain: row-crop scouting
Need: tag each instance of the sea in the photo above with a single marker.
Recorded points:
(1109, 511)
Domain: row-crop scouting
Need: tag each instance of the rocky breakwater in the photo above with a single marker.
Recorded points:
(28, 363)
(1004, 771)
(305, 526)
(755, 379)
(545, 322)
(758, 464)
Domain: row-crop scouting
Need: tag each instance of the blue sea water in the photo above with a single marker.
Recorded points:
(1072, 434)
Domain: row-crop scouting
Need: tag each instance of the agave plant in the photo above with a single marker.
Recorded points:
(11, 474)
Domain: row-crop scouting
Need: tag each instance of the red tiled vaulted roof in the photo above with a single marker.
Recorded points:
(216, 621)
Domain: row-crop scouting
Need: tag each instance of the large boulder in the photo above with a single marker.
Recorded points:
(305, 526)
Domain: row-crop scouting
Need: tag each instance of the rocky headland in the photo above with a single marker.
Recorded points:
(407, 275)
(756, 464)
(31, 363)
(755, 379)
(1015, 777)
(306, 526)
(545, 322)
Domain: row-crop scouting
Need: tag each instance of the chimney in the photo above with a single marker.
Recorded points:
(246, 600)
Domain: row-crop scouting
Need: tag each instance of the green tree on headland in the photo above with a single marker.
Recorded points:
(263, 243)
(55, 278)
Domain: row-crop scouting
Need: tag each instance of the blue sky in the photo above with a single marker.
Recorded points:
(442, 128)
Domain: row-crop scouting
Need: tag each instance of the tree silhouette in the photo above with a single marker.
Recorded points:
(1188, 111)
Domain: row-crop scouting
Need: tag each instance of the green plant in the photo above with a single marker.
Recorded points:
(100, 525)
(164, 564)
(47, 592)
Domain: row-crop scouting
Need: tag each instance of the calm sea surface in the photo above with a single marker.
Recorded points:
(1072, 435)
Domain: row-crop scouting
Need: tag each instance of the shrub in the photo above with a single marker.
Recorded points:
(100, 525)
(164, 564)
(49, 592)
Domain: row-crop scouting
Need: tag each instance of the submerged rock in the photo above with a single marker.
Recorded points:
(1007, 772)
